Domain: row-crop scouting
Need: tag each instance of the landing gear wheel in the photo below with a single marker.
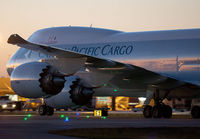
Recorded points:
(33, 109)
(1, 109)
(167, 111)
(50, 111)
(42, 110)
(157, 112)
(195, 112)
(147, 112)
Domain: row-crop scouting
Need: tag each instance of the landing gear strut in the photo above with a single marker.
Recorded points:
(147, 112)
(195, 112)
(159, 110)
(45, 110)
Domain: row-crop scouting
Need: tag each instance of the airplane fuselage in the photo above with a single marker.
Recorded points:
(175, 53)
(69, 65)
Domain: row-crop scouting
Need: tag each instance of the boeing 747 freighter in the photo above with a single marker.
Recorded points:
(67, 66)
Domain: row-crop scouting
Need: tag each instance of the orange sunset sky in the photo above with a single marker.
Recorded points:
(26, 16)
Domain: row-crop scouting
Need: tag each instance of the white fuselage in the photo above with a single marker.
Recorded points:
(173, 53)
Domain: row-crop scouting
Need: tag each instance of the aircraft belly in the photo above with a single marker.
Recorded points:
(120, 92)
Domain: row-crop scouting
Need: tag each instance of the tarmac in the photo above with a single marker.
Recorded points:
(35, 126)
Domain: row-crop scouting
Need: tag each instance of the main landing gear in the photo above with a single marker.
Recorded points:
(159, 110)
(195, 112)
(45, 110)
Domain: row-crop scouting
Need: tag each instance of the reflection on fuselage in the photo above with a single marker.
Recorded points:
(178, 59)
(24, 56)
(179, 68)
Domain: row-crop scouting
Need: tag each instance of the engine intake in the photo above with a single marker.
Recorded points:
(51, 81)
(73, 94)
(80, 95)
(36, 79)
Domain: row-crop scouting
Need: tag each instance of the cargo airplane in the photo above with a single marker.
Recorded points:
(67, 66)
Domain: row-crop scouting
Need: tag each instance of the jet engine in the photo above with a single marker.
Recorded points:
(73, 94)
(36, 79)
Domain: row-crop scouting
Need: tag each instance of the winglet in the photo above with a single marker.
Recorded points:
(15, 39)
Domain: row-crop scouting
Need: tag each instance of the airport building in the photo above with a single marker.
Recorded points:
(116, 103)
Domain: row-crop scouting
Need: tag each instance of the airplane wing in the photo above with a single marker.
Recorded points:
(15, 39)
(124, 75)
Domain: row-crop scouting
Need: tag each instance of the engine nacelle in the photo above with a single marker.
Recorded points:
(36, 79)
(73, 94)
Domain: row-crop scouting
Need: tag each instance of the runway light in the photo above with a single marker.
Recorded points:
(77, 114)
(29, 115)
(105, 84)
(62, 116)
(87, 116)
(115, 90)
(25, 119)
(104, 117)
(66, 119)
